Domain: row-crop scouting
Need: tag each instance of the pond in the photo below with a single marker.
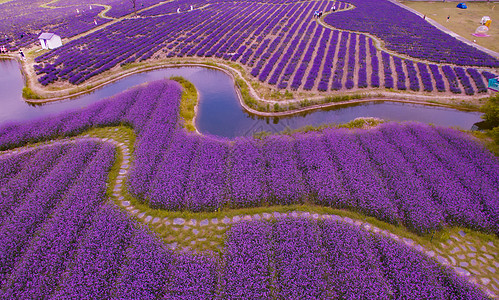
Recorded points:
(219, 111)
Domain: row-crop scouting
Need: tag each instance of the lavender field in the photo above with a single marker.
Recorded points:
(118, 200)
(420, 176)
(277, 42)
(64, 246)
(62, 239)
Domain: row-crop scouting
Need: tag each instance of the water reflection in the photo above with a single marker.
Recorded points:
(219, 111)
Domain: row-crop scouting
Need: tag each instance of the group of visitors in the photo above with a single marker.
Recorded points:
(317, 14)
(3, 49)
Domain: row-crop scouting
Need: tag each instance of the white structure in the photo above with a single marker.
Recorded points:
(50, 40)
(485, 19)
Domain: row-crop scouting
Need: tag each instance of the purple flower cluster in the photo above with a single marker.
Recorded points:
(392, 173)
(408, 34)
(338, 70)
(247, 187)
(247, 258)
(349, 84)
(387, 70)
(437, 76)
(478, 79)
(36, 204)
(45, 259)
(192, 276)
(300, 258)
(465, 80)
(314, 71)
(452, 79)
(206, 187)
(300, 73)
(23, 21)
(369, 171)
(362, 62)
(98, 256)
(400, 73)
(33, 169)
(413, 79)
(374, 64)
(426, 77)
(276, 42)
(63, 242)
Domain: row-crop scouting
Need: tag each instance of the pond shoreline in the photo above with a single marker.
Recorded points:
(317, 102)
(222, 109)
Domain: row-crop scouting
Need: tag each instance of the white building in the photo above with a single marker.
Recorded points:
(50, 40)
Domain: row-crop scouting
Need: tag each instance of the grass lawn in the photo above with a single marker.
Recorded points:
(463, 21)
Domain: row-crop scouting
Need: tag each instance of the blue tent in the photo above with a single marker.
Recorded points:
(462, 5)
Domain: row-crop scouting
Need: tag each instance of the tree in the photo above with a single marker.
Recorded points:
(491, 111)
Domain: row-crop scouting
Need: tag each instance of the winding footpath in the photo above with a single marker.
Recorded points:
(472, 259)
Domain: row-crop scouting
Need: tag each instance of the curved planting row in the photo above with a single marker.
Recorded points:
(70, 244)
(21, 22)
(410, 174)
(300, 258)
(408, 34)
(389, 173)
(280, 44)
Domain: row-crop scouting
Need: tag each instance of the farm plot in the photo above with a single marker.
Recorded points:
(77, 246)
(21, 22)
(279, 44)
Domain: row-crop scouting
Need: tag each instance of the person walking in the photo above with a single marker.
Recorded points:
(448, 17)
(21, 53)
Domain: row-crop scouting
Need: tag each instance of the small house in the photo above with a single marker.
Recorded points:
(50, 40)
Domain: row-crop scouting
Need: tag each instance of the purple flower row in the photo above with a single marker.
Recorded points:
(276, 41)
(409, 34)
(300, 258)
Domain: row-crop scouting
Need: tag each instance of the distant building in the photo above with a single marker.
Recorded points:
(50, 40)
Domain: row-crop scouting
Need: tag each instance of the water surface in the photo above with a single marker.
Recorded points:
(219, 110)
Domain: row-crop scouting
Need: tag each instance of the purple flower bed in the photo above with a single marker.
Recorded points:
(23, 29)
(426, 77)
(452, 79)
(478, 79)
(45, 259)
(465, 80)
(314, 71)
(36, 205)
(277, 43)
(88, 249)
(412, 73)
(408, 33)
(437, 76)
(338, 70)
(400, 73)
(15, 188)
(374, 64)
(387, 70)
(388, 173)
(362, 62)
(317, 260)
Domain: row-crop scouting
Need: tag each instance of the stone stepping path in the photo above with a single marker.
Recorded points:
(463, 261)
(473, 260)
